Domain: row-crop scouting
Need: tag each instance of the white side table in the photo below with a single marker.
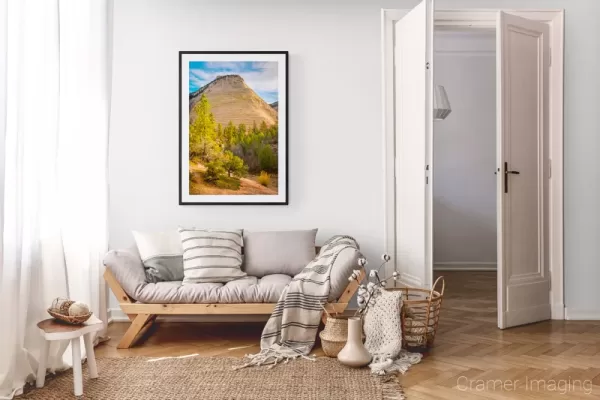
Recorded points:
(51, 329)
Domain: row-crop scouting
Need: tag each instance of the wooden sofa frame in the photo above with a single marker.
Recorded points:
(143, 315)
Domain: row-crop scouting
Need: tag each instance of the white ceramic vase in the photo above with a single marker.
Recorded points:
(354, 354)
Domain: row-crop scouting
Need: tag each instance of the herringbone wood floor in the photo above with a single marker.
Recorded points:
(471, 359)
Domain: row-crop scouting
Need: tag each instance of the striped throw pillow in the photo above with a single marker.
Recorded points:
(211, 255)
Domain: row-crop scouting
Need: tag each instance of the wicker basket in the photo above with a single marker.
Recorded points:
(70, 319)
(335, 335)
(420, 314)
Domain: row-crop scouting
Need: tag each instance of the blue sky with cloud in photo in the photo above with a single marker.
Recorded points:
(260, 76)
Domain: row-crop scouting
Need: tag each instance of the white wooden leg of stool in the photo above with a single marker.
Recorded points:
(41, 372)
(77, 376)
(91, 358)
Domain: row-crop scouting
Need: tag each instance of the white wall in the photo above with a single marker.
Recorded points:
(335, 140)
(464, 185)
(336, 173)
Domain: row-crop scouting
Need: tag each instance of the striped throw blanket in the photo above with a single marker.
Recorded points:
(290, 332)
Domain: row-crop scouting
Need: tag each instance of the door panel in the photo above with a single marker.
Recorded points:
(413, 67)
(523, 158)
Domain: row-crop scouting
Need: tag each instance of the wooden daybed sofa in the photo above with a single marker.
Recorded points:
(143, 301)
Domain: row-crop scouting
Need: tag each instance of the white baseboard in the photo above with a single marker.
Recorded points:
(116, 315)
(578, 314)
(558, 311)
(109, 316)
(464, 266)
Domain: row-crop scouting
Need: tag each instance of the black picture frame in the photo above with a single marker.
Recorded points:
(285, 149)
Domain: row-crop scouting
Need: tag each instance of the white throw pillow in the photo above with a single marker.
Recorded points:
(161, 254)
(211, 255)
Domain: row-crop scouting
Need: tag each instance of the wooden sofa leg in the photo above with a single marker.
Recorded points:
(138, 324)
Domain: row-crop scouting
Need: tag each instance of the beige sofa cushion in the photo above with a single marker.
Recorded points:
(278, 252)
(244, 290)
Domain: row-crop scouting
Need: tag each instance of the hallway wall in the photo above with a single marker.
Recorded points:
(464, 184)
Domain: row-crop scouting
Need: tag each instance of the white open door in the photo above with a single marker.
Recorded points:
(523, 170)
(413, 69)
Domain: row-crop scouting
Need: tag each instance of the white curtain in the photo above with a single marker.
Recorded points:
(54, 113)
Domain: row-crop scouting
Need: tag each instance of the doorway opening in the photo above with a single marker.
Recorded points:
(528, 56)
(464, 168)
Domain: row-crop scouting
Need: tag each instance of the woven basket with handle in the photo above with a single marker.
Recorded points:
(420, 314)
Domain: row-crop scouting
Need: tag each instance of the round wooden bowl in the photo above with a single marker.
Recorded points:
(70, 319)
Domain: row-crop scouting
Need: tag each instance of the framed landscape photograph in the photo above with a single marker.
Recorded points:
(233, 127)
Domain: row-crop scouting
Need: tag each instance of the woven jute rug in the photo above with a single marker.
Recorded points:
(137, 378)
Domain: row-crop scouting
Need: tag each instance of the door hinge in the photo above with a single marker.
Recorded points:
(427, 174)
(427, 65)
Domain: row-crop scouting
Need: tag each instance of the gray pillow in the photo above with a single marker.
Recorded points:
(283, 252)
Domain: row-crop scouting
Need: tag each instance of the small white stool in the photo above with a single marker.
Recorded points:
(51, 329)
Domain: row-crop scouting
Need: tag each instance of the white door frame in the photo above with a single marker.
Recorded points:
(485, 18)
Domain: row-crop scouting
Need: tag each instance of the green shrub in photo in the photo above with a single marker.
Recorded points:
(214, 170)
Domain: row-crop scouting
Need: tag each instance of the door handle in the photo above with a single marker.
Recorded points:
(506, 172)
